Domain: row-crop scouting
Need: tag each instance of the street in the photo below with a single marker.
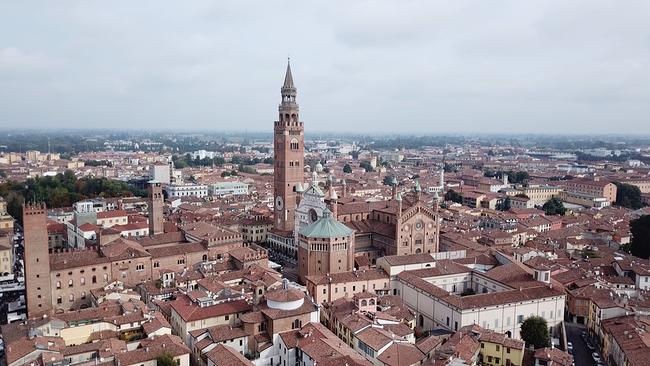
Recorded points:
(581, 354)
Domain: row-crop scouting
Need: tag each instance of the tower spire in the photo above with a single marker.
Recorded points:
(288, 78)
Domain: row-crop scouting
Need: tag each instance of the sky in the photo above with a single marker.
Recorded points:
(430, 67)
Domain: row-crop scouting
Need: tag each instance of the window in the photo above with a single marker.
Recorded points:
(82, 281)
(181, 261)
(94, 279)
(520, 319)
(58, 285)
(498, 348)
(139, 267)
(70, 283)
(366, 349)
(156, 264)
(59, 300)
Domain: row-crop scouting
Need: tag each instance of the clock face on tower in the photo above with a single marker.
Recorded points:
(279, 203)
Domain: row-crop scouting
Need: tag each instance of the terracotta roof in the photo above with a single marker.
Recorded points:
(189, 311)
(225, 356)
(285, 295)
(150, 349)
(401, 354)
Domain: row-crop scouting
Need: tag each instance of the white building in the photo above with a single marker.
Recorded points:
(504, 297)
(160, 173)
(228, 188)
(185, 190)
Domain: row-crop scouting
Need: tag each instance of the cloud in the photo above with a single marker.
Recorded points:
(424, 66)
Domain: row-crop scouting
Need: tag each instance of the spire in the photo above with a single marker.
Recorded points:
(288, 79)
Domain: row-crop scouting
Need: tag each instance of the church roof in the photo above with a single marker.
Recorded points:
(326, 227)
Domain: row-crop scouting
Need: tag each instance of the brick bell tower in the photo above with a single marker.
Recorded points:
(37, 260)
(289, 156)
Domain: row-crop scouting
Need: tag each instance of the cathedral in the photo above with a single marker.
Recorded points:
(331, 234)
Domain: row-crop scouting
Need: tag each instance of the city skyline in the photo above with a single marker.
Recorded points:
(425, 68)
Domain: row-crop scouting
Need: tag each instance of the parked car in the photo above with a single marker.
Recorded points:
(569, 347)
(596, 357)
(590, 346)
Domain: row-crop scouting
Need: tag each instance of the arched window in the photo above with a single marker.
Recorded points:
(421, 320)
(94, 279)
(205, 257)
(58, 284)
(294, 145)
(259, 292)
(296, 324)
(105, 277)
(71, 298)
(371, 302)
(82, 281)
(70, 283)
(364, 303)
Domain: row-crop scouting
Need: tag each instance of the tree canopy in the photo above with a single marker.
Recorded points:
(366, 165)
(628, 196)
(534, 330)
(452, 195)
(554, 207)
(62, 190)
(347, 169)
(640, 244)
(165, 359)
(504, 205)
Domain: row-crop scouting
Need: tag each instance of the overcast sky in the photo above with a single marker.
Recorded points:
(375, 66)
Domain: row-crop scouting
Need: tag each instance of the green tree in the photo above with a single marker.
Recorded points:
(165, 359)
(628, 196)
(554, 207)
(534, 331)
(449, 168)
(504, 205)
(453, 196)
(347, 169)
(366, 165)
(640, 230)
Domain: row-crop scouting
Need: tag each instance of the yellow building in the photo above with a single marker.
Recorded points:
(6, 221)
(499, 350)
(6, 255)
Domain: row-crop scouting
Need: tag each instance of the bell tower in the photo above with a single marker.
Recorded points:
(289, 156)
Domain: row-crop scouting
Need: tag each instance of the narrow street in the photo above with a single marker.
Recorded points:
(581, 354)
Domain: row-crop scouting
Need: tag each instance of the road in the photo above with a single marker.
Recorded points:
(581, 354)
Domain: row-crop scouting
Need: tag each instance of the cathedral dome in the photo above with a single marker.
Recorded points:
(326, 227)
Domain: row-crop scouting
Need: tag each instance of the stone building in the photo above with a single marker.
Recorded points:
(326, 246)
